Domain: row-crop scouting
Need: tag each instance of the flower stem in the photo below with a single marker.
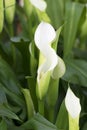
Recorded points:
(52, 97)
(29, 103)
(51, 114)
(11, 32)
(73, 123)
(41, 107)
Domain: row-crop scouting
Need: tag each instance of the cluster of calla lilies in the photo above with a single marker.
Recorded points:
(51, 65)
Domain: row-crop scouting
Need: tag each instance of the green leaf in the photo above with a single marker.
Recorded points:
(85, 126)
(24, 23)
(38, 122)
(5, 52)
(80, 53)
(55, 44)
(3, 125)
(32, 87)
(59, 70)
(9, 82)
(22, 44)
(8, 77)
(11, 87)
(6, 112)
(55, 10)
(83, 29)
(3, 98)
(33, 61)
(62, 118)
(12, 127)
(73, 13)
(76, 71)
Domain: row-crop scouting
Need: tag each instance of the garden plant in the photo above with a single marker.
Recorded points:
(43, 65)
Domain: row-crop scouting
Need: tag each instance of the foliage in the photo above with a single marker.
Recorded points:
(20, 108)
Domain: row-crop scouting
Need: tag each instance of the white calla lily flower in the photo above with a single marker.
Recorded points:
(44, 36)
(50, 64)
(72, 104)
(40, 4)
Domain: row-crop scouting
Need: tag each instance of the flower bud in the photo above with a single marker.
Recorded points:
(73, 106)
(9, 10)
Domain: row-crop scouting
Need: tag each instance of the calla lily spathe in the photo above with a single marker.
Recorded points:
(40, 4)
(72, 104)
(44, 36)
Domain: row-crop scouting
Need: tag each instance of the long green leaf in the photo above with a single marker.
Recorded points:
(55, 9)
(3, 98)
(6, 112)
(22, 44)
(73, 13)
(8, 78)
(38, 122)
(3, 125)
(76, 71)
(9, 82)
(62, 116)
(12, 89)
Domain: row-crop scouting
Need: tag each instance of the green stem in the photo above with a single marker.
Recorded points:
(29, 103)
(51, 114)
(11, 32)
(13, 55)
(30, 28)
(73, 123)
(52, 97)
(41, 107)
(28, 11)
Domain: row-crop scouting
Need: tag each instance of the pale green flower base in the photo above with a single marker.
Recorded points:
(73, 123)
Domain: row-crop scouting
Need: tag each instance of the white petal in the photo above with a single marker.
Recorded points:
(44, 36)
(59, 70)
(49, 64)
(72, 104)
(40, 4)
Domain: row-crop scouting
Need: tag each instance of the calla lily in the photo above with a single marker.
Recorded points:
(72, 104)
(44, 37)
(40, 4)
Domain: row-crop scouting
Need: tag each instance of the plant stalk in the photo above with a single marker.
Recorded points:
(41, 107)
